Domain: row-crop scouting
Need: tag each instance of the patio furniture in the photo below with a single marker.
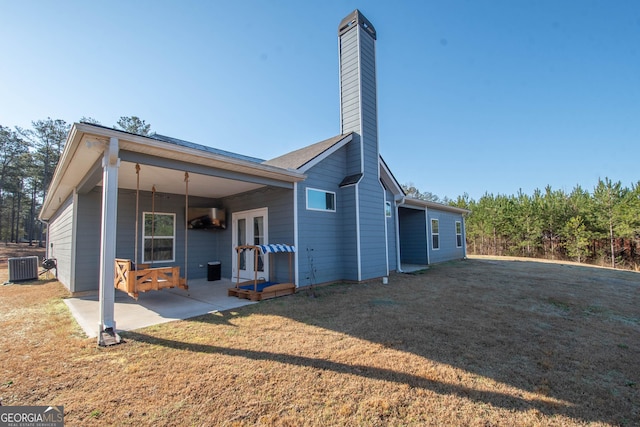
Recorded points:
(144, 279)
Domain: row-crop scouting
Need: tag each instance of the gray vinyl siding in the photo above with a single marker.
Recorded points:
(359, 99)
(372, 221)
(348, 235)
(89, 225)
(350, 87)
(354, 153)
(279, 203)
(359, 115)
(447, 230)
(206, 246)
(87, 253)
(369, 97)
(327, 240)
(126, 237)
(371, 192)
(413, 236)
(60, 241)
(203, 245)
(350, 82)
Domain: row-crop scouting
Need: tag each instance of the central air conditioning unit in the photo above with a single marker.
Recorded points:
(24, 268)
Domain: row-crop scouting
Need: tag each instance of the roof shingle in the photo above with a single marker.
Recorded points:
(298, 158)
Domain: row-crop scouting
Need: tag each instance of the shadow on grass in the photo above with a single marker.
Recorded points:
(493, 398)
(566, 332)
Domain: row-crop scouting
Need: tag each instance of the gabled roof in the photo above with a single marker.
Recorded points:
(188, 144)
(181, 143)
(213, 173)
(419, 203)
(389, 181)
(307, 156)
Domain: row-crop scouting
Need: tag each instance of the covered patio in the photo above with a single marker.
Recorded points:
(109, 182)
(157, 307)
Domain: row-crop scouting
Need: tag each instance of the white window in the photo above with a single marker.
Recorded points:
(459, 233)
(435, 234)
(159, 237)
(320, 200)
(387, 209)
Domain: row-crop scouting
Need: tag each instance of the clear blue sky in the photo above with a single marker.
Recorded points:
(474, 96)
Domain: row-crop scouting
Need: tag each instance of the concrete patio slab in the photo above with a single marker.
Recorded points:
(411, 268)
(155, 307)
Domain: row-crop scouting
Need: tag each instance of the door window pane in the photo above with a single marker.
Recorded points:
(258, 239)
(242, 240)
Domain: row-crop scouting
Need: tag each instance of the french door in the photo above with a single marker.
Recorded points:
(249, 228)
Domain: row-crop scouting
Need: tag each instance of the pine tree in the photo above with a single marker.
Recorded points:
(133, 124)
(608, 196)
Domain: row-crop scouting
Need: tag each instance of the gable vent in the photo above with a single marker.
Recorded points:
(24, 268)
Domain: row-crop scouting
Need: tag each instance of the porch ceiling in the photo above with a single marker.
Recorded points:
(172, 181)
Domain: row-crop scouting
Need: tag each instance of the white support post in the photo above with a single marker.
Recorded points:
(110, 164)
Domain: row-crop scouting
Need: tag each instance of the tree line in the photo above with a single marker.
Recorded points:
(601, 226)
(28, 158)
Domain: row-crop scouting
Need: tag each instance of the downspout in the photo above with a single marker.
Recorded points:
(386, 227)
(384, 213)
(428, 242)
(358, 234)
(48, 250)
(74, 243)
(46, 240)
(398, 203)
(295, 235)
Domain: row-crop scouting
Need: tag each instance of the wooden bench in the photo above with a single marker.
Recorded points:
(133, 281)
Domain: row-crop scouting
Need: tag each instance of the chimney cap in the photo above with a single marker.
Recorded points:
(353, 19)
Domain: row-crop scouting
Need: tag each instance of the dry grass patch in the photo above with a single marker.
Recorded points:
(478, 342)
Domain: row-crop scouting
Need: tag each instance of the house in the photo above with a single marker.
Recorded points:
(336, 201)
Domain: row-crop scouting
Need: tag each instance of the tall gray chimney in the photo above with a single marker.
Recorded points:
(362, 196)
(358, 97)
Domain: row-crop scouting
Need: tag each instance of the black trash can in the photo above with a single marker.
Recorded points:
(213, 270)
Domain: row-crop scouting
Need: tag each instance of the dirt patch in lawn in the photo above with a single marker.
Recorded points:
(475, 342)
